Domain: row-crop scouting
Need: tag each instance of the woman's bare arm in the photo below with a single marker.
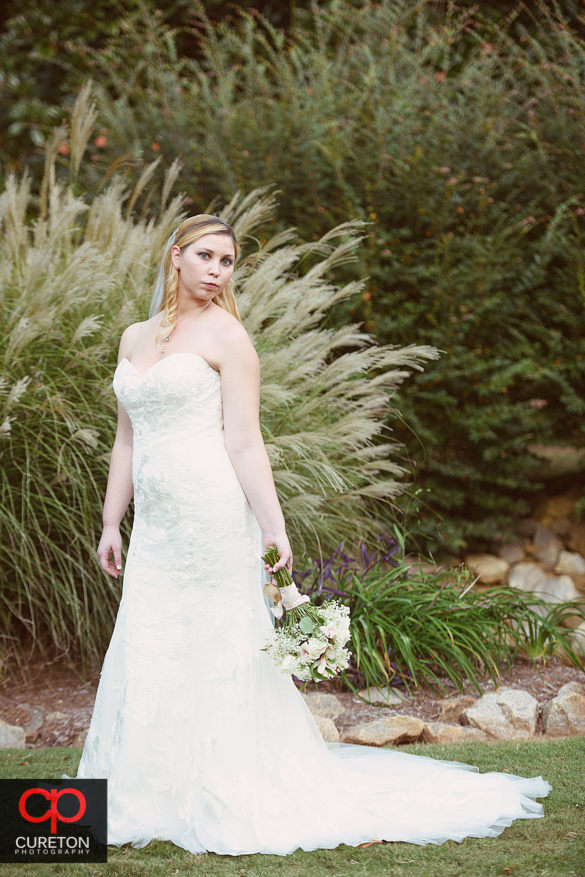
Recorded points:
(240, 388)
(119, 489)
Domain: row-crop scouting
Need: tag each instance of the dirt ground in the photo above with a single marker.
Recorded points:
(65, 700)
(55, 707)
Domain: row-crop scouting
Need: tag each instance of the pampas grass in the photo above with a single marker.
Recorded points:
(71, 281)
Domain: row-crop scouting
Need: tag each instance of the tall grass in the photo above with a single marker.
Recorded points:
(70, 282)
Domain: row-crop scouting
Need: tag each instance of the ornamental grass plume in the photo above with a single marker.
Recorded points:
(70, 281)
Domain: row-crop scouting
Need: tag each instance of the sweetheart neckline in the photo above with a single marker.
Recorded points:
(168, 356)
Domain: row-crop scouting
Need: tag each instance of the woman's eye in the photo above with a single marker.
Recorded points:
(204, 255)
(227, 261)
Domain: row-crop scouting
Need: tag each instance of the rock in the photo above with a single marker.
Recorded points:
(512, 552)
(326, 705)
(576, 538)
(419, 566)
(561, 527)
(12, 737)
(79, 741)
(555, 508)
(505, 714)
(565, 714)
(57, 716)
(442, 733)
(393, 730)
(573, 621)
(548, 545)
(526, 576)
(577, 641)
(33, 720)
(452, 707)
(390, 696)
(449, 561)
(526, 527)
(570, 563)
(557, 589)
(558, 459)
(490, 568)
(25, 716)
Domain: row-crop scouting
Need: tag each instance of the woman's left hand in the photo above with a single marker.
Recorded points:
(285, 557)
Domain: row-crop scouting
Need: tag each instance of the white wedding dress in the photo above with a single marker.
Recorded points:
(203, 741)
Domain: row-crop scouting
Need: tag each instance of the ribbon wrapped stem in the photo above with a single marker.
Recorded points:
(285, 594)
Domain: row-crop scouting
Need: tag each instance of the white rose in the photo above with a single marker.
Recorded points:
(345, 637)
(312, 649)
(288, 663)
(330, 630)
(342, 661)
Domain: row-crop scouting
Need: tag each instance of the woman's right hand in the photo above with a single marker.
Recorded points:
(111, 543)
(285, 557)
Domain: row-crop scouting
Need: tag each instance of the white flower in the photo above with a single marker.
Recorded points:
(344, 637)
(343, 661)
(312, 649)
(322, 655)
(322, 668)
(330, 630)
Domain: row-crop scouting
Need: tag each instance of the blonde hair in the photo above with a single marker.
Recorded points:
(189, 231)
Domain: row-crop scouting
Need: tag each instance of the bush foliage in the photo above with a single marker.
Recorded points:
(72, 280)
(461, 147)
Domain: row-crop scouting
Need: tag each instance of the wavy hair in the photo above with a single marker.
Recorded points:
(189, 231)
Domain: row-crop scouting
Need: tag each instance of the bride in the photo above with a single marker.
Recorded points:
(203, 741)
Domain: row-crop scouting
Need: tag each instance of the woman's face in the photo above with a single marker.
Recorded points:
(206, 266)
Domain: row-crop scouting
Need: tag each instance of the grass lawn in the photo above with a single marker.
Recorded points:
(549, 847)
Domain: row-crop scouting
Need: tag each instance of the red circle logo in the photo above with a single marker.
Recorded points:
(52, 813)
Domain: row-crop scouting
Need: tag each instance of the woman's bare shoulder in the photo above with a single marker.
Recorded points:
(129, 338)
(232, 339)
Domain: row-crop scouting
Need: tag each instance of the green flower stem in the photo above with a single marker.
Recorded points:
(283, 580)
(282, 576)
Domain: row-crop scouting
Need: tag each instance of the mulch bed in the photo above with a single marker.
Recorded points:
(68, 701)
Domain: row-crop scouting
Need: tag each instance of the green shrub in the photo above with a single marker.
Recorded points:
(462, 148)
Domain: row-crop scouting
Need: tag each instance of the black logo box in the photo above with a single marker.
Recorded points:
(40, 834)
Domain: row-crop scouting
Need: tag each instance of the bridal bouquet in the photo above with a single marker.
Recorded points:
(311, 643)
